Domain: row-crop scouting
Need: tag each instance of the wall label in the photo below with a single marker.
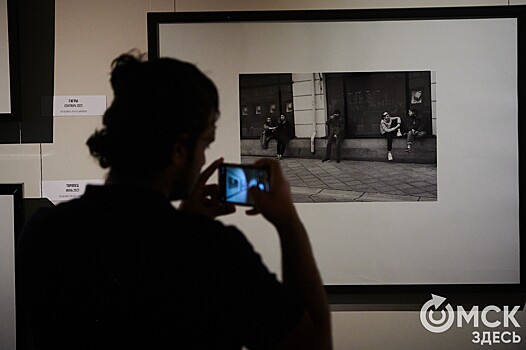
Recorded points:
(66, 189)
(79, 105)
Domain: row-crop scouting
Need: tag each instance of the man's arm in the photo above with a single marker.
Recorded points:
(330, 120)
(383, 127)
(300, 272)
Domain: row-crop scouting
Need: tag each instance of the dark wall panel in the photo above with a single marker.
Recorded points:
(35, 21)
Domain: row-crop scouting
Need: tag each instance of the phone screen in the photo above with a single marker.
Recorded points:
(236, 179)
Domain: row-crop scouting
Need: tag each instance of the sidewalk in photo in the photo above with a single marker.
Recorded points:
(358, 181)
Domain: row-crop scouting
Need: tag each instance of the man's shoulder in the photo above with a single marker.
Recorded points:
(208, 230)
(57, 212)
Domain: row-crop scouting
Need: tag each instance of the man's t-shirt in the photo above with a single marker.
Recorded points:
(120, 268)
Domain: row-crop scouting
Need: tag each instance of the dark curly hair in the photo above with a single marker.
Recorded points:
(156, 104)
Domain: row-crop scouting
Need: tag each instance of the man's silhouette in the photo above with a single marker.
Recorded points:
(121, 268)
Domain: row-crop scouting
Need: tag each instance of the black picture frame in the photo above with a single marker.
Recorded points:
(31, 27)
(14, 64)
(389, 297)
(17, 191)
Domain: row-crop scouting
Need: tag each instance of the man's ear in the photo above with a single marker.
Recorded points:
(179, 154)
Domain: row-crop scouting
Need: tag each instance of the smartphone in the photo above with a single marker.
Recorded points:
(236, 179)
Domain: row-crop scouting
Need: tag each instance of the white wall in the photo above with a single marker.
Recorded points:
(7, 260)
(309, 104)
(89, 34)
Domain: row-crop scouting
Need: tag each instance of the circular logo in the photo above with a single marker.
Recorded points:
(444, 322)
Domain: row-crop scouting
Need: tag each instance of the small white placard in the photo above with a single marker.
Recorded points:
(79, 105)
(66, 189)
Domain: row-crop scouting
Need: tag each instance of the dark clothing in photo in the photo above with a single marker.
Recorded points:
(268, 133)
(284, 134)
(417, 123)
(416, 129)
(336, 133)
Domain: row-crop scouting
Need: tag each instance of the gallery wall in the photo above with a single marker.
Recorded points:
(90, 34)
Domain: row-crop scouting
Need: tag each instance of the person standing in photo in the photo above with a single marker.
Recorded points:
(389, 127)
(283, 132)
(336, 130)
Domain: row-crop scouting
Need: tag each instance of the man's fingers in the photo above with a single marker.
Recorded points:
(272, 165)
(252, 211)
(211, 190)
(227, 208)
(261, 162)
(205, 175)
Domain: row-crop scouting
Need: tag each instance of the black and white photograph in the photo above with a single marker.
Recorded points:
(346, 136)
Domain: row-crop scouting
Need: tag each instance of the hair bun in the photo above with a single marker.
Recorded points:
(99, 147)
(125, 74)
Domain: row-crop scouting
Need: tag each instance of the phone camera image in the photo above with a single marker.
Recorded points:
(236, 180)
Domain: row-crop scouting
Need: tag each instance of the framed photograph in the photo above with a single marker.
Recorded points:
(467, 238)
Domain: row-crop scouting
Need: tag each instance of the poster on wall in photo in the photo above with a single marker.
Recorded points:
(416, 97)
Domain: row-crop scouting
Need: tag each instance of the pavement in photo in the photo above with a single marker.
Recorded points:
(358, 181)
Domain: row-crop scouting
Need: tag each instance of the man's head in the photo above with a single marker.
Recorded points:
(269, 120)
(386, 115)
(162, 109)
(337, 112)
(282, 117)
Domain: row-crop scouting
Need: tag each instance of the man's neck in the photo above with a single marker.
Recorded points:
(156, 184)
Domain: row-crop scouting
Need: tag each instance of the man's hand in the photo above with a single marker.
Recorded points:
(276, 205)
(204, 199)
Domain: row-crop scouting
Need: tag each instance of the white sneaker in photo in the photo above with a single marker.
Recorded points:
(389, 156)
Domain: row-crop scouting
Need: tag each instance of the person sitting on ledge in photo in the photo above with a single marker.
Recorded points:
(416, 128)
(268, 132)
(389, 128)
(122, 268)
